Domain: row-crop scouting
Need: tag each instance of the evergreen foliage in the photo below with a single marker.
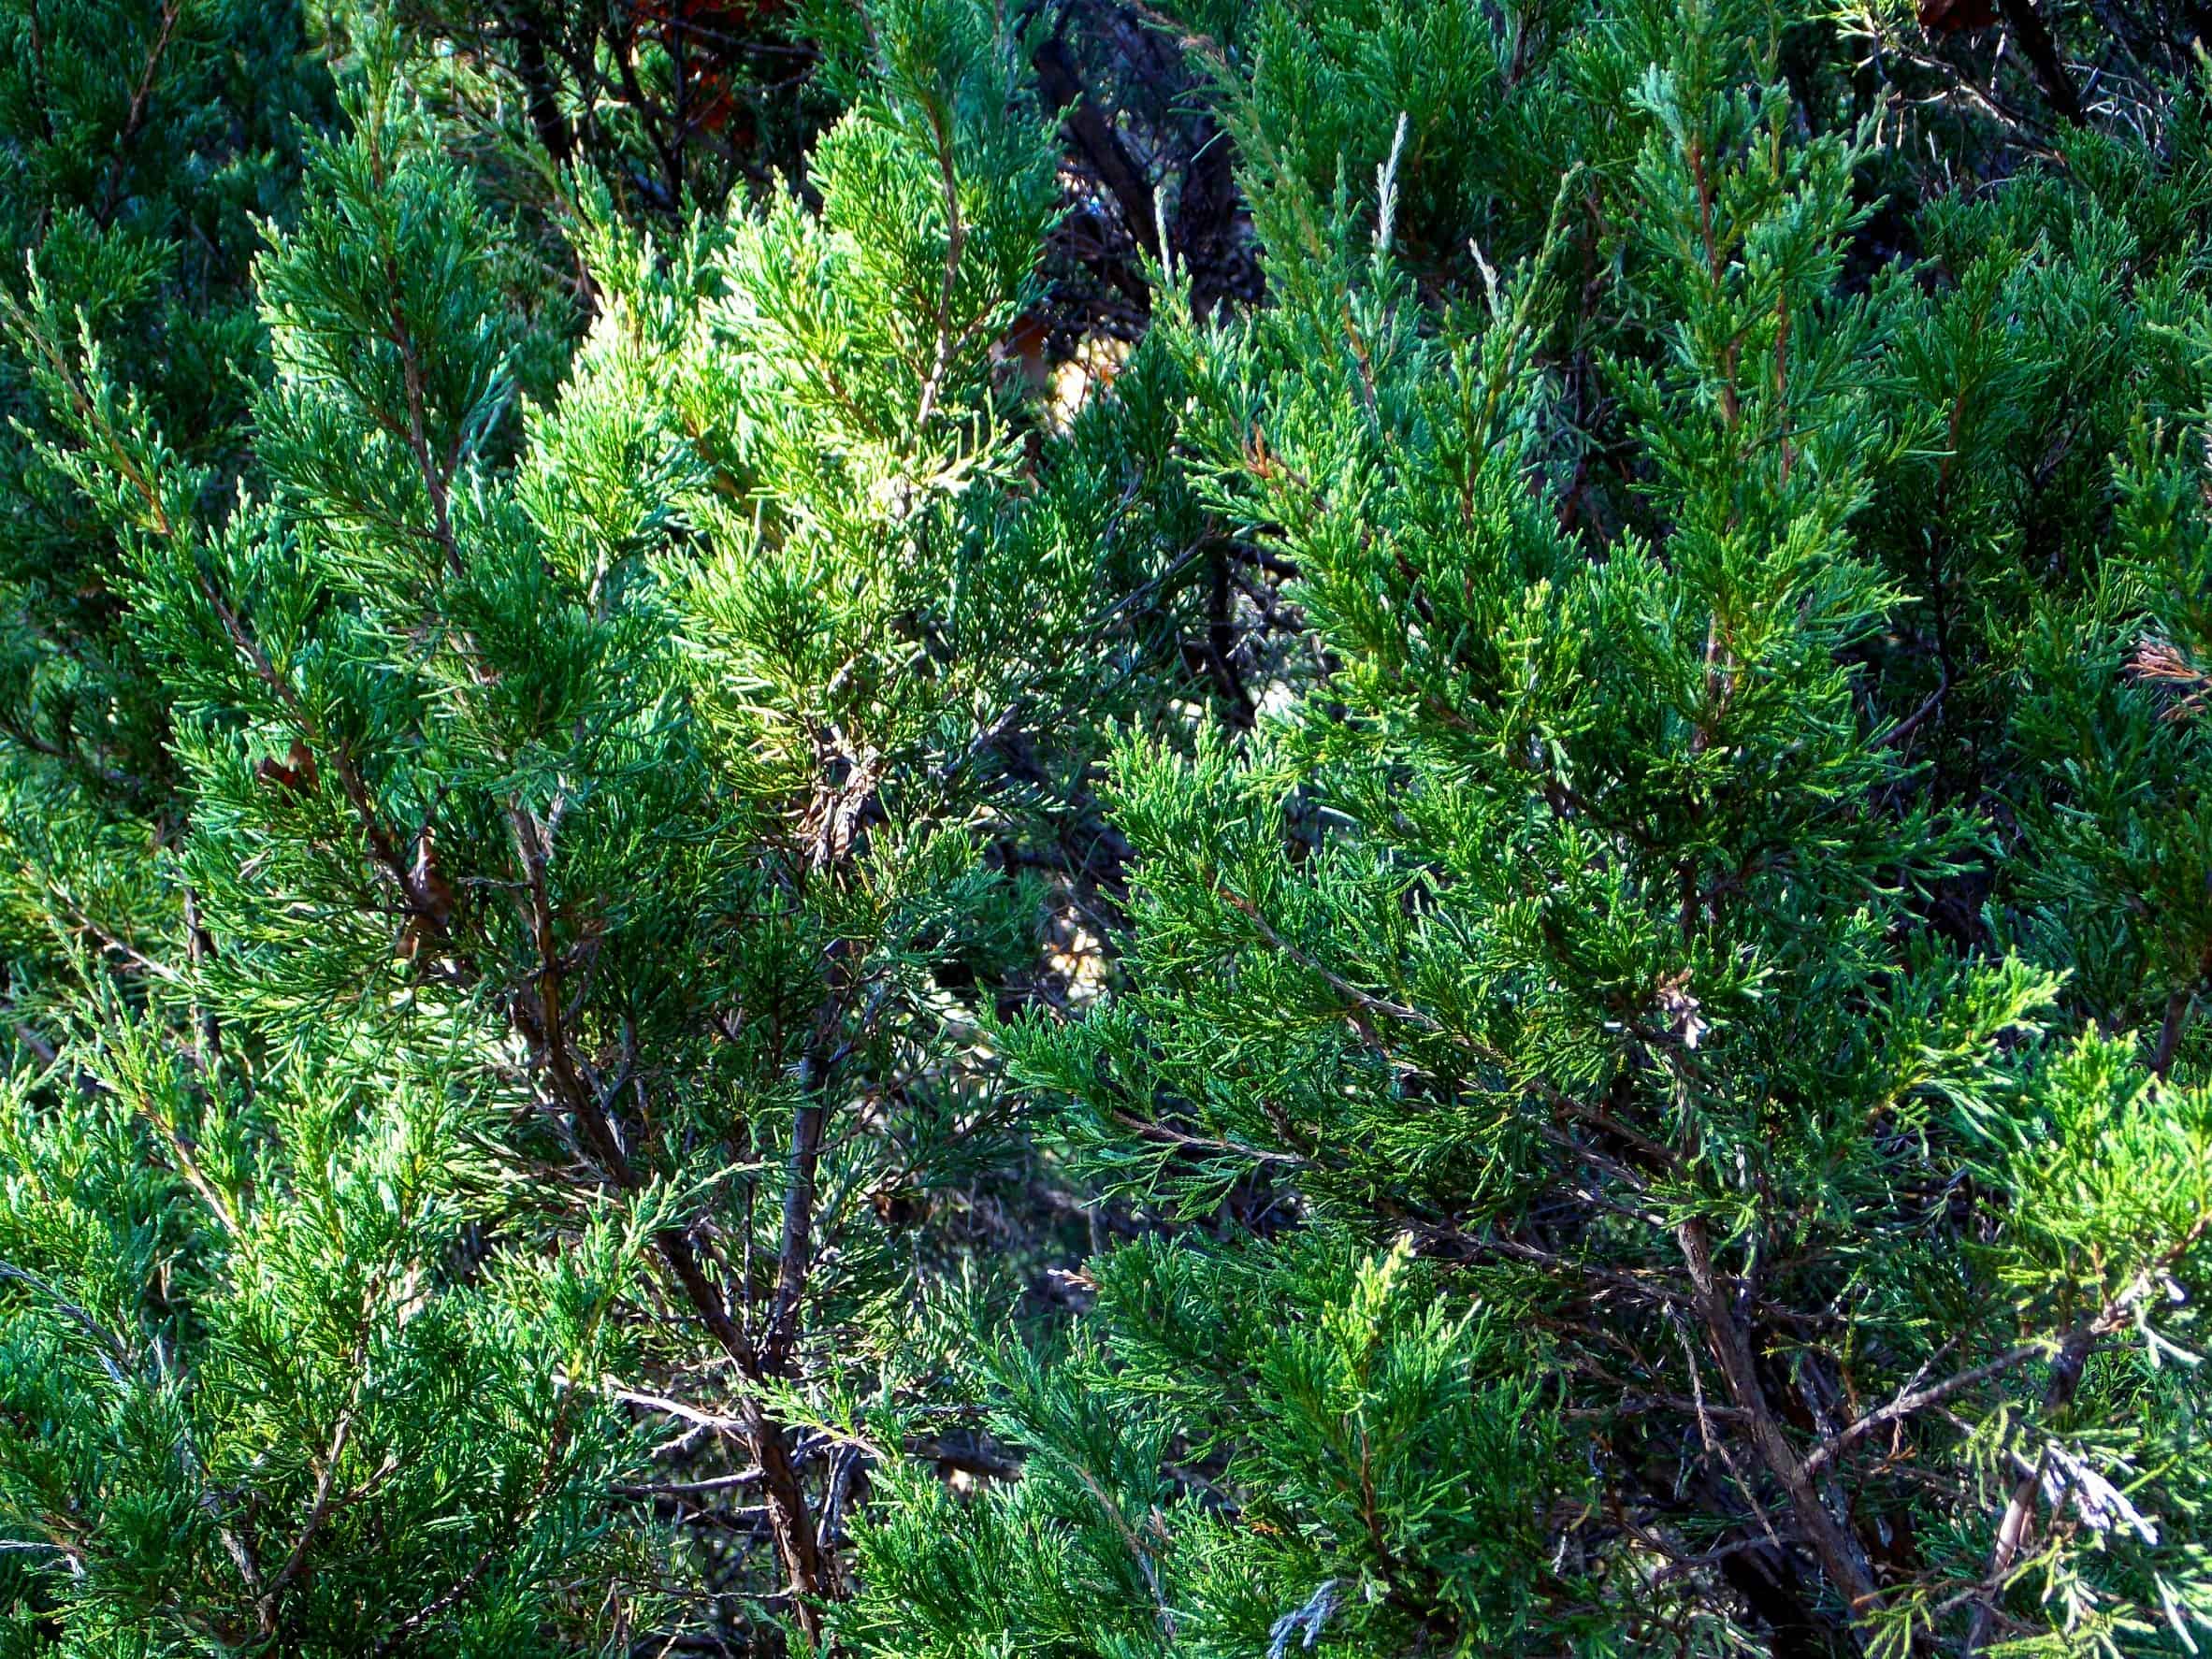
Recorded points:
(1495, 953)
(1555, 989)
(139, 142)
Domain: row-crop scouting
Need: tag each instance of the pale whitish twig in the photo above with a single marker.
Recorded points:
(1386, 198)
(1905, 1404)
(706, 1420)
(1307, 1621)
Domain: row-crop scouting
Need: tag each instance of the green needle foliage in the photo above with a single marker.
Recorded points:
(1628, 742)
(1647, 1232)
(138, 143)
(588, 799)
